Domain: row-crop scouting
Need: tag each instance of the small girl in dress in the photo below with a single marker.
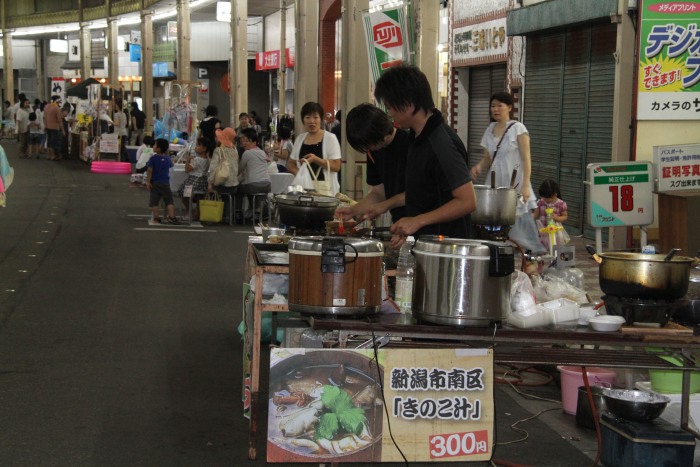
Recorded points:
(549, 198)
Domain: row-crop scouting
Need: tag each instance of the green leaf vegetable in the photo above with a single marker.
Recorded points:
(342, 414)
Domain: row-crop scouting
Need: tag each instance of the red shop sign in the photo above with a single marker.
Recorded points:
(271, 60)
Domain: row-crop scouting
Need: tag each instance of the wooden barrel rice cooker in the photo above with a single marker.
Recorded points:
(335, 276)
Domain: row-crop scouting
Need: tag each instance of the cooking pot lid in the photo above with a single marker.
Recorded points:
(459, 246)
(306, 200)
(314, 243)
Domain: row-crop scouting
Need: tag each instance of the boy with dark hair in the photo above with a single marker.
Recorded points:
(439, 190)
(158, 182)
(370, 130)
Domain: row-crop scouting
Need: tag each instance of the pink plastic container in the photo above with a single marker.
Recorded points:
(104, 167)
(572, 378)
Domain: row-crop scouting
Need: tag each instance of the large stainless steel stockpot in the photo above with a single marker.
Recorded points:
(494, 206)
(462, 282)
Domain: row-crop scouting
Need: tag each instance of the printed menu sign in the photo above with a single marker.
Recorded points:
(347, 405)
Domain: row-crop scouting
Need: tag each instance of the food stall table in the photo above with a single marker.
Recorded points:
(538, 346)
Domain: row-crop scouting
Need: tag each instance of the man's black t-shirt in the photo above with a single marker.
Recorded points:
(436, 165)
(387, 166)
(140, 117)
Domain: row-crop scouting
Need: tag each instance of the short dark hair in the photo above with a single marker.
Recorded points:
(284, 132)
(162, 145)
(208, 144)
(211, 110)
(148, 140)
(403, 85)
(549, 187)
(242, 114)
(367, 125)
(504, 97)
(135, 105)
(32, 117)
(55, 98)
(251, 134)
(311, 108)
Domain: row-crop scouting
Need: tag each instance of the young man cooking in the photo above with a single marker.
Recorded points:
(370, 130)
(439, 192)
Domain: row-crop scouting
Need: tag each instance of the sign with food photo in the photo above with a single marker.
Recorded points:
(340, 405)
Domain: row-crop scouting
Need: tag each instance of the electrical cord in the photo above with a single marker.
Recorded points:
(381, 387)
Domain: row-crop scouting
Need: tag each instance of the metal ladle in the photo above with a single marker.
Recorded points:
(671, 254)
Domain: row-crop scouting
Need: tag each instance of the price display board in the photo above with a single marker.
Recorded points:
(620, 194)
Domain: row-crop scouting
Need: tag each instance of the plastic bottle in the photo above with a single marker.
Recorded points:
(404, 277)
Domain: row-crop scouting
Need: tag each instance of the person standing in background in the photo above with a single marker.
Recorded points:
(210, 123)
(22, 125)
(53, 123)
(138, 123)
(8, 123)
(506, 144)
(121, 128)
(439, 191)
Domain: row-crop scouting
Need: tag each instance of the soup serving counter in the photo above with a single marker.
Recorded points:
(511, 345)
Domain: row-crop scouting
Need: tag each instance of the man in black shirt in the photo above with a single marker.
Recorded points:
(439, 190)
(370, 131)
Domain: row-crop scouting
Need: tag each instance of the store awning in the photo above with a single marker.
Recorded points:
(557, 13)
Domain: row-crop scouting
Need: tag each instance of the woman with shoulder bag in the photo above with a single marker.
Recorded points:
(506, 144)
(223, 170)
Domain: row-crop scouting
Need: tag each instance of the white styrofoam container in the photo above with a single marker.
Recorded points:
(534, 320)
(560, 311)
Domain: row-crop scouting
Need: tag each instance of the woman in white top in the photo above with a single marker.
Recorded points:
(320, 148)
(506, 146)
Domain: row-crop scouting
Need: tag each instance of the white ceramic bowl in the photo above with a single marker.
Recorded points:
(607, 323)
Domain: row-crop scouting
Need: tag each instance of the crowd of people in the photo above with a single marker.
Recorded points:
(417, 166)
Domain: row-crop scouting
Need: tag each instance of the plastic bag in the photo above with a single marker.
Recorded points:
(550, 288)
(304, 178)
(525, 233)
(223, 171)
(522, 295)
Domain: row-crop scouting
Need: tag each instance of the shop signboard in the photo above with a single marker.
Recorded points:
(135, 53)
(669, 60)
(58, 87)
(387, 37)
(678, 168)
(480, 43)
(620, 193)
(365, 406)
(270, 60)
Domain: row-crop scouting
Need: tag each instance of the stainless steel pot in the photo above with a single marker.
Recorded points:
(494, 206)
(306, 211)
(462, 282)
(643, 276)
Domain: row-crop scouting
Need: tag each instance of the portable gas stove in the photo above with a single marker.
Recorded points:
(497, 233)
(641, 310)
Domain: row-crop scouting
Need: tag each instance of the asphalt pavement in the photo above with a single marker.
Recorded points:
(118, 341)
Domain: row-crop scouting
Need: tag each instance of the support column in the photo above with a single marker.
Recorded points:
(622, 104)
(282, 73)
(183, 40)
(354, 84)
(238, 74)
(306, 65)
(428, 21)
(40, 78)
(113, 51)
(7, 64)
(85, 51)
(147, 67)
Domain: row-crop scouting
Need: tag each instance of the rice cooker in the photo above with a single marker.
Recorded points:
(462, 282)
(335, 276)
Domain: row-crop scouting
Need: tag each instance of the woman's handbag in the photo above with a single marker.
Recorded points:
(211, 208)
(322, 187)
(223, 171)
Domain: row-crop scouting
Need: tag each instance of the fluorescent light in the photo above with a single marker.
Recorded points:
(67, 27)
(164, 15)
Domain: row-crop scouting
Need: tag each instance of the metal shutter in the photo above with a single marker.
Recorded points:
(568, 109)
(483, 83)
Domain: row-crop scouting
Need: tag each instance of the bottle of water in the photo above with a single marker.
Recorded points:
(404, 277)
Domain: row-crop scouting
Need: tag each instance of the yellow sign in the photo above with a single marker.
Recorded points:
(84, 119)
